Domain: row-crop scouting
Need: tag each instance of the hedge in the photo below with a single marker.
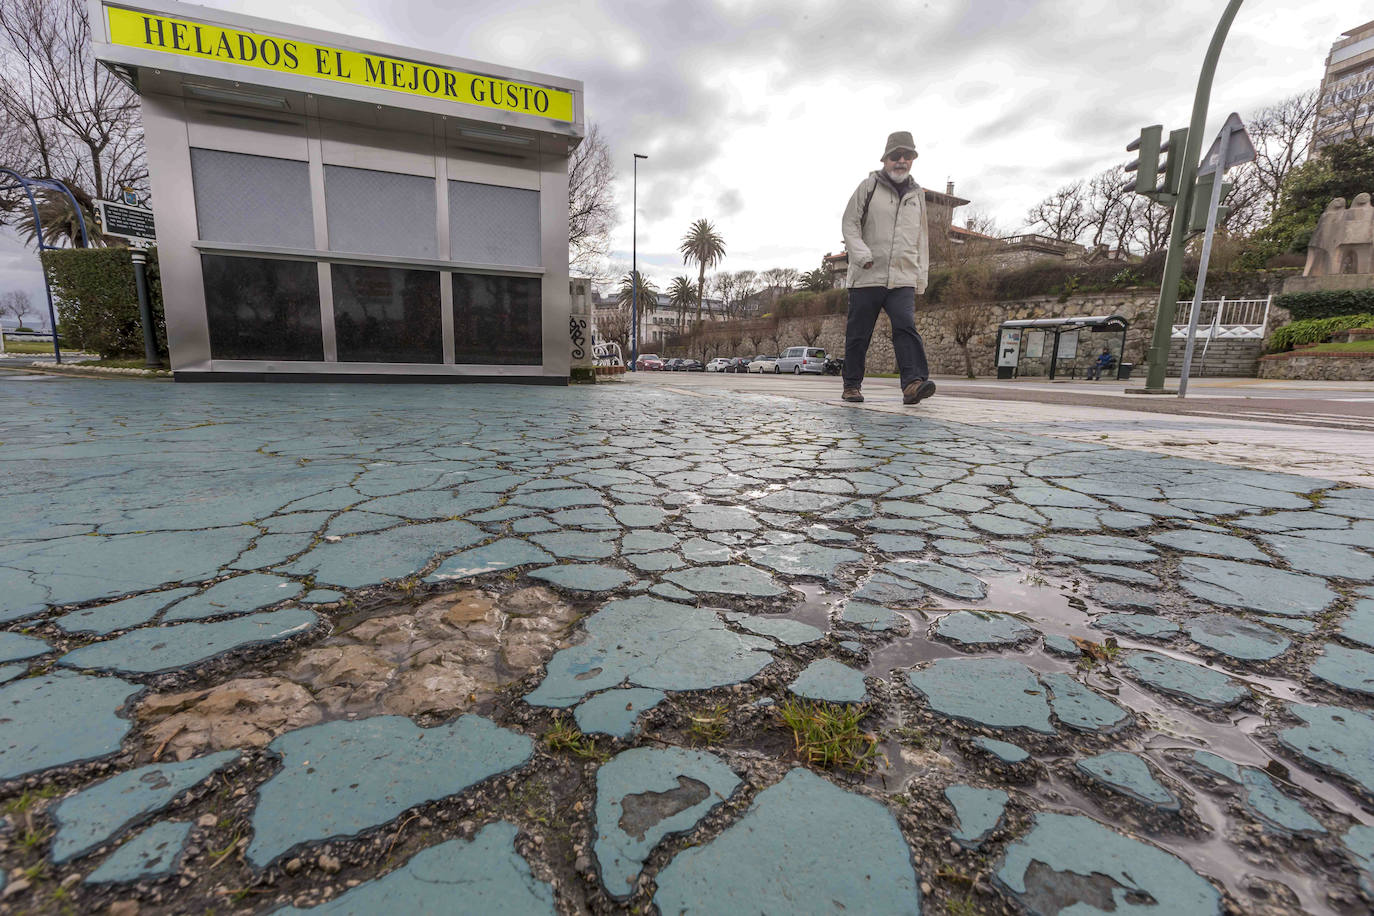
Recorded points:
(1316, 330)
(1326, 303)
(97, 302)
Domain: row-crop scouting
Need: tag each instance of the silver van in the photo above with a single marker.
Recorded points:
(802, 359)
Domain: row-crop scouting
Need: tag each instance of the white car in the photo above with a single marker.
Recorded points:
(718, 364)
(763, 364)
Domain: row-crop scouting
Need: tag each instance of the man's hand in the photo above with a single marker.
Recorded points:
(867, 264)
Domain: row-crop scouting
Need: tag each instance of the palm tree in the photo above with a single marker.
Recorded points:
(681, 294)
(704, 246)
(626, 297)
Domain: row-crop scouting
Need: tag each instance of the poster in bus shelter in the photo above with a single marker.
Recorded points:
(1035, 344)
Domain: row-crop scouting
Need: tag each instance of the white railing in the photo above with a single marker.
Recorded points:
(1224, 319)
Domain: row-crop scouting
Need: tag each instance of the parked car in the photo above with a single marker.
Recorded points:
(691, 365)
(719, 364)
(674, 364)
(738, 364)
(649, 361)
(801, 359)
(763, 364)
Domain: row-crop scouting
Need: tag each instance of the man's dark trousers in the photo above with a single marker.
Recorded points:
(865, 302)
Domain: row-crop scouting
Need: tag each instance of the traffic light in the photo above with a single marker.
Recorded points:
(1148, 169)
(1202, 199)
(1146, 166)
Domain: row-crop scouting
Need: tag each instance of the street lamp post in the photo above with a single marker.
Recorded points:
(634, 270)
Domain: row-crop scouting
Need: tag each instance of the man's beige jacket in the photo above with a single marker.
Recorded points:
(893, 235)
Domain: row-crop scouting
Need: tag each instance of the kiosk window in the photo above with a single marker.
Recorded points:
(493, 225)
(252, 200)
(371, 212)
(497, 320)
(387, 315)
(262, 308)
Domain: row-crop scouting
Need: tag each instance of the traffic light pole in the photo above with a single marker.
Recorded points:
(1178, 235)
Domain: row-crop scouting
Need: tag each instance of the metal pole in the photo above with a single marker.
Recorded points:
(634, 268)
(1202, 263)
(1173, 262)
(145, 308)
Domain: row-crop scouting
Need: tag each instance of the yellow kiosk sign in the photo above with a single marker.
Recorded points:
(249, 49)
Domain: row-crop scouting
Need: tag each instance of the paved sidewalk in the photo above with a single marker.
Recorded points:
(1226, 437)
(344, 649)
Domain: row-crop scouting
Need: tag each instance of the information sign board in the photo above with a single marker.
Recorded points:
(125, 222)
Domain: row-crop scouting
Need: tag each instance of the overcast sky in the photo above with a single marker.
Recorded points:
(763, 115)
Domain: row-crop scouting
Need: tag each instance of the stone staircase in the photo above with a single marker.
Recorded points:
(1233, 358)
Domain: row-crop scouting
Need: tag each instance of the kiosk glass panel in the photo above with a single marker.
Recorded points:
(252, 200)
(387, 315)
(262, 308)
(489, 224)
(497, 320)
(371, 212)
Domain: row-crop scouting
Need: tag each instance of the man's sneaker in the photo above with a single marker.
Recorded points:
(917, 392)
(853, 394)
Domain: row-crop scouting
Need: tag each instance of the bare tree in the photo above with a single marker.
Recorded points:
(723, 285)
(17, 303)
(811, 328)
(1351, 106)
(62, 115)
(1063, 215)
(756, 336)
(1282, 134)
(614, 325)
(1106, 199)
(966, 321)
(746, 287)
(591, 204)
(1154, 221)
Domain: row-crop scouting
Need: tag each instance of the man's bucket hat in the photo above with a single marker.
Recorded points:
(899, 140)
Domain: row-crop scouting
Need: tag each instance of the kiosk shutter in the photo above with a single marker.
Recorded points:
(254, 200)
(372, 212)
(489, 224)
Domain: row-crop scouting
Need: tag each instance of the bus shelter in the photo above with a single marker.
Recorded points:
(1052, 346)
(329, 207)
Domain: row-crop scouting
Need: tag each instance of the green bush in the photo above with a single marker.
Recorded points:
(97, 303)
(1326, 303)
(1316, 330)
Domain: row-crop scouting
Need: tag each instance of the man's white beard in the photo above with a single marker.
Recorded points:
(897, 175)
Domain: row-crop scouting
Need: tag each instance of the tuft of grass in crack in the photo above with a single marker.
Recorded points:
(962, 906)
(710, 726)
(828, 735)
(567, 738)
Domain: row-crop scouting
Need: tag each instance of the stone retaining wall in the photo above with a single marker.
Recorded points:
(936, 325)
(1323, 367)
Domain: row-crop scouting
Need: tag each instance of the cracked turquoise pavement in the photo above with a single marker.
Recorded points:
(297, 648)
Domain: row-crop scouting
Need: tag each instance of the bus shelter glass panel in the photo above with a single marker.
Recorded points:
(497, 320)
(387, 315)
(262, 308)
(489, 224)
(252, 200)
(372, 212)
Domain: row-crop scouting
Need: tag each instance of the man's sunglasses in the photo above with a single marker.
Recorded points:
(901, 154)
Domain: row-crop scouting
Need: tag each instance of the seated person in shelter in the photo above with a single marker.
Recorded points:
(1104, 361)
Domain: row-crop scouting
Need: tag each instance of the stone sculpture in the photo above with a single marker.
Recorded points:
(1344, 240)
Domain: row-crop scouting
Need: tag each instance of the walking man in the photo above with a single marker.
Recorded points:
(884, 230)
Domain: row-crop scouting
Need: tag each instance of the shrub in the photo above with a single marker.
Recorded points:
(1316, 330)
(799, 304)
(97, 303)
(1326, 303)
